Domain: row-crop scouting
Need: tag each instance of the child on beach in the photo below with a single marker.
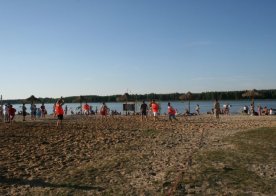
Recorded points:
(171, 112)
(59, 111)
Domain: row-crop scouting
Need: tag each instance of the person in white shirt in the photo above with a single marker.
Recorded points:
(6, 113)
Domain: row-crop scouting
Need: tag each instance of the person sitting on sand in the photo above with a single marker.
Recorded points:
(171, 112)
(143, 109)
(187, 113)
(217, 108)
(265, 111)
(155, 108)
(245, 109)
(59, 111)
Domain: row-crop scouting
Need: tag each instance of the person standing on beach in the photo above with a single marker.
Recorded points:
(54, 109)
(171, 112)
(217, 108)
(143, 109)
(66, 110)
(6, 113)
(252, 109)
(86, 109)
(33, 111)
(59, 111)
(155, 108)
(197, 109)
(43, 110)
(104, 110)
(11, 113)
(24, 112)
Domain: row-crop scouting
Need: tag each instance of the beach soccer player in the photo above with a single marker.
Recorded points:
(143, 109)
(11, 113)
(171, 112)
(59, 111)
(154, 108)
(103, 110)
(86, 109)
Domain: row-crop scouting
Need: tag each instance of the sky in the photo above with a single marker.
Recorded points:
(53, 48)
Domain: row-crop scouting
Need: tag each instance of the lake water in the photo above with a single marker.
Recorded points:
(205, 106)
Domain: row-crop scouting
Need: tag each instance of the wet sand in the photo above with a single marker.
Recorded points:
(116, 155)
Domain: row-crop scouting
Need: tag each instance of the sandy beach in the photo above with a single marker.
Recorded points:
(117, 155)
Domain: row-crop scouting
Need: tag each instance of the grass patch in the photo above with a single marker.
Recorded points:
(150, 133)
(249, 167)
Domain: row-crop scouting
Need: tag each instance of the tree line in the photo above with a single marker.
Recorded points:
(204, 96)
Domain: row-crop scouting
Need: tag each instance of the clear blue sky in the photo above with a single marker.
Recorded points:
(53, 48)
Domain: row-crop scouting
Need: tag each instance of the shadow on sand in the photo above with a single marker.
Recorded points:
(43, 184)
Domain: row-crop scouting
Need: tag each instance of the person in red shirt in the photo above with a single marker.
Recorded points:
(59, 111)
(154, 108)
(11, 112)
(171, 112)
(86, 108)
(104, 110)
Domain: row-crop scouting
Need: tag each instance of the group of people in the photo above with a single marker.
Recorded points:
(154, 108)
(260, 110)
(36, 112)
(8, 113)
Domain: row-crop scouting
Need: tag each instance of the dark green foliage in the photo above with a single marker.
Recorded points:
(204, 96)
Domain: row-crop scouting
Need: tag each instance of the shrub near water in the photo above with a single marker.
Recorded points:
(248, 167)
